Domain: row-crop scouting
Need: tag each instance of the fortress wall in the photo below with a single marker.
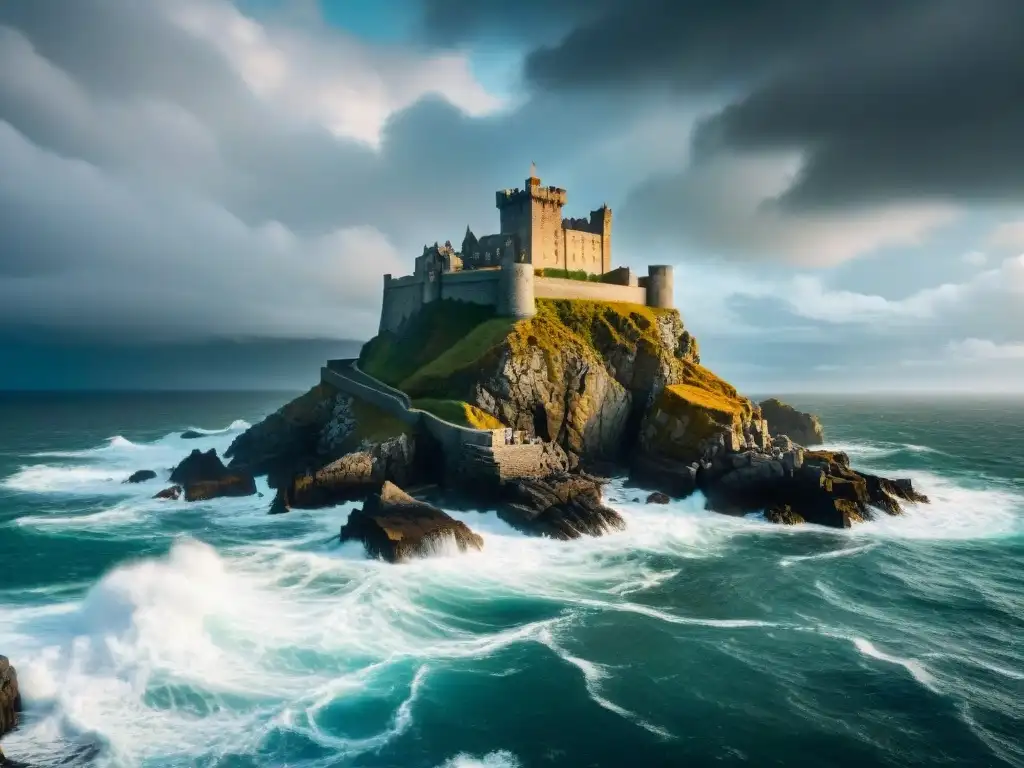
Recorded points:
(383, 400)
(403, 297)
(584, 250)
(557, 288)
(476, 286)
(622, 276)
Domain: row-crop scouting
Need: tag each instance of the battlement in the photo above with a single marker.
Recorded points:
(507, 197)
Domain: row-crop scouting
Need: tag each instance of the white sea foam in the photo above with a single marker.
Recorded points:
(845, 552)
(499, 759)
(916, 669)
(954, 512)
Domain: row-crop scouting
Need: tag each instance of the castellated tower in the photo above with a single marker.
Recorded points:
(535, 215)
(516, 288)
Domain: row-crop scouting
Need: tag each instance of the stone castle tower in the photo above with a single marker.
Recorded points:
(533, 216)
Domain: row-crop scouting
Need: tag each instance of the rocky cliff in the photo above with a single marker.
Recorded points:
(580, 373)
(803, 428)
(618, 384)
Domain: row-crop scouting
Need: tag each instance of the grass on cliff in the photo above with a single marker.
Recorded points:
(569, 274)
(373, 424)
(458, 412)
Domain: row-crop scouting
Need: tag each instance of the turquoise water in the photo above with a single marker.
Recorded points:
(164, 634)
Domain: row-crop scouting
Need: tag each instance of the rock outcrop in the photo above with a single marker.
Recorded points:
(783, 419)
(191, 434)
(10, 698)
(141, 476)
(170, 494)
(203, 476)
(562, 505)
(351, 477)
(394, 526)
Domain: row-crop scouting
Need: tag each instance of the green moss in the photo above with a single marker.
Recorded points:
(458, 412)
(437, 328)
(373, 425)
(465, 353)
(569, 274)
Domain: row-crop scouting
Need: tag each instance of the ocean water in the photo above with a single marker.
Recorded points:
(153, 633)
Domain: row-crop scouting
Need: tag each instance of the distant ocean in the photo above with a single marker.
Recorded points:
(151, 633)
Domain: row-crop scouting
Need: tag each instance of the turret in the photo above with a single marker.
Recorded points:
(515, 287)
(660, 286)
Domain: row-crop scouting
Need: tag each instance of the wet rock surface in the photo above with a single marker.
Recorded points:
(203, 476)
(10, 701)
(351, 477)
(395, 527)
(141, 476)
(562, 505)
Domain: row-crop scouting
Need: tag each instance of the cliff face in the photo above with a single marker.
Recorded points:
(784, 419)
(580, 373)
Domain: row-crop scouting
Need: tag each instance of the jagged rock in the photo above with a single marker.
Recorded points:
(658, 498)
(672, 477)
(562, 506)
(203, 476)
(783, 419)
(394, 526)
(351, 477)
(141, 476)
(814, 486)
(191, 434)
(303, 431)
(173, 493)
(10, 698)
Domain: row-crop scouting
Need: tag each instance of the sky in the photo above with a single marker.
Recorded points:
(206, 192)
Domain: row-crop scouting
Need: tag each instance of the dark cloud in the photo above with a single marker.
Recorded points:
(901, 100)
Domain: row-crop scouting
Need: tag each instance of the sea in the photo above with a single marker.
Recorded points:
(156, 633)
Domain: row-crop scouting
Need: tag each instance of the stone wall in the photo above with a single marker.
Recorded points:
(558, 288)
(403, 298)
(478, 286)
(583, 250)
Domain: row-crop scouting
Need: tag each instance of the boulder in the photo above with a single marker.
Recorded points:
(395, 527)
(173, 493)
(658, 498)
(10, 698)
(351, 477)
(814, 486)
(671, 477)
(141, 476)
(562, 505)
(784, 419)
(203, 476)
(191, 434)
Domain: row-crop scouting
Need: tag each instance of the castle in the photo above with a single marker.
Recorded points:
(505, 270)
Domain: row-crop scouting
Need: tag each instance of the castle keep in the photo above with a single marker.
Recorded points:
(505, 270)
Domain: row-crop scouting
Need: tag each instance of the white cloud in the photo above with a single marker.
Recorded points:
(164, 265)
(975, 259)
(1009, 236)
(985, 349)
(727, 206)
(337, 81)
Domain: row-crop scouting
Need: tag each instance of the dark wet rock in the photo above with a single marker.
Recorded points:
(395, 527)
(784, 419)
(203, 476)
(191, 434)
(814, 486)
(658, 498)
(562, 505)
(172, 494)
(669, 476)
(141, 476)
(10, 698)
(349, 478)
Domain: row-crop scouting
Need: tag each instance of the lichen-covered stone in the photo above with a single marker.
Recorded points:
(783, 419)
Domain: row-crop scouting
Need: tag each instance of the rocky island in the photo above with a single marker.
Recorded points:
(503, 379)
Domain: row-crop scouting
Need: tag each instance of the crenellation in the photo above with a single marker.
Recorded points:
(533, 236)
